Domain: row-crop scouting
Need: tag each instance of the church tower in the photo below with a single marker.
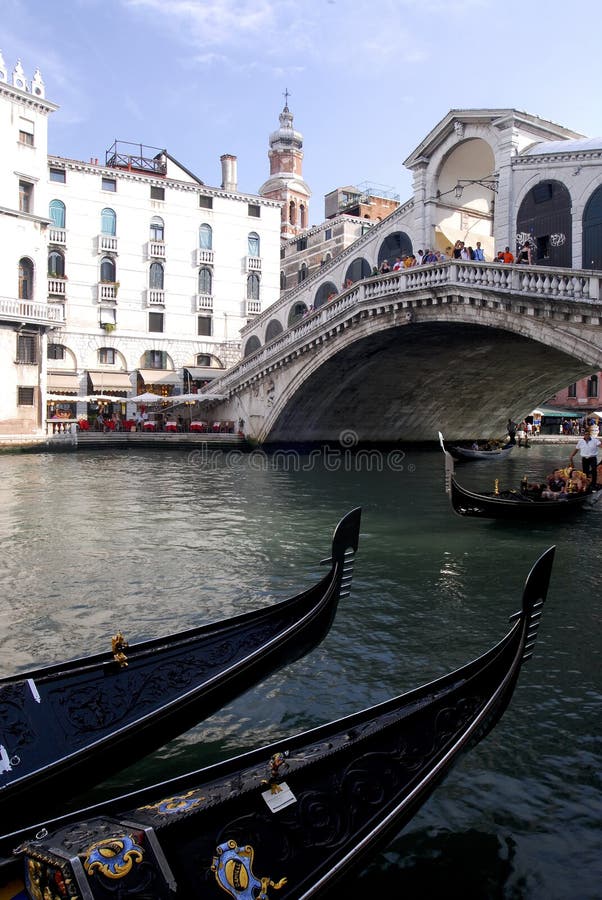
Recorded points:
(286, 169)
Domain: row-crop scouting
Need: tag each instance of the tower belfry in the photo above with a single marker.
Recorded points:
(286, 175)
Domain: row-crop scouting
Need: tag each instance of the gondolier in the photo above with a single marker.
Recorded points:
(588, 447)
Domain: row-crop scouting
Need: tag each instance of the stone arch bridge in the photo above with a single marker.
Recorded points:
(456, 346)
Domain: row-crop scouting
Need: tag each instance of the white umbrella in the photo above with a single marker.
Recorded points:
(145, 398)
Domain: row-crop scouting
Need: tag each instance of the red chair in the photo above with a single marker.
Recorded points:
(171, 426)
(148, 426)
(196, 426)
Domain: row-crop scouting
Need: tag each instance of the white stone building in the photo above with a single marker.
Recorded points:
(143, 274)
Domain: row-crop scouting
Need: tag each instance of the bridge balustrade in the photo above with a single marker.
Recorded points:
(538, 283)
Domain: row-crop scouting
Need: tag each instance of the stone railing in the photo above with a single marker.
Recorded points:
(353, 250)
(31, 311)
(537, 283)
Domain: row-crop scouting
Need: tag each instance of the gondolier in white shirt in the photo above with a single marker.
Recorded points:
(588, 447)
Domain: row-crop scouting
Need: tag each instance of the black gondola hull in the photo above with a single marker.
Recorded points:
(513, 506)
(334, 795)
(68, 726)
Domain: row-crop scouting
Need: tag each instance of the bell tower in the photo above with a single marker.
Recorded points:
(286, 175)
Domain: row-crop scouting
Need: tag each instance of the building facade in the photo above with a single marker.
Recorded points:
(146, 273)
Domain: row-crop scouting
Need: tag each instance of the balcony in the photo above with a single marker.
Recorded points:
(57, 235)
(252, 307)
(31, 312)
(155, 250)
(106, 243)
(204, 302)
(57, 287)
(107, 291)
(204, 257)
(155, 297)
(253, 263)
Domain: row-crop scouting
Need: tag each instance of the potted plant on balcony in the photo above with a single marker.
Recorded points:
(108, 326)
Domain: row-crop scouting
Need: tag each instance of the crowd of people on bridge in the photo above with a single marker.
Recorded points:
(460, 250)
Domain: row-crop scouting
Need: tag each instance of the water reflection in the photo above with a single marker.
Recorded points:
(153, 542)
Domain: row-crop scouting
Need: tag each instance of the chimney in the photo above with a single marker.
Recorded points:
(229, 174)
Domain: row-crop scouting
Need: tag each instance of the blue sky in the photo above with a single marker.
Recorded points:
(368, 79)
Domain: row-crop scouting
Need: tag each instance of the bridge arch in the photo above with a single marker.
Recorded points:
(390, 379)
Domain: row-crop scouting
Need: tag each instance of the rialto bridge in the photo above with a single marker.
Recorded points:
(456, 346)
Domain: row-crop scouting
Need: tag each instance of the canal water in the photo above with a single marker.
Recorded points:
(150, 542)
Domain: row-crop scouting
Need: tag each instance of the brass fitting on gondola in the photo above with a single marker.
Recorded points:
(118, 645)
(496, 487)
(277, 762)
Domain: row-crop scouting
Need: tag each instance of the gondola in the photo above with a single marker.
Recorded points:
(468, 453)
(68, 726)
(289, 819)
(508, 504)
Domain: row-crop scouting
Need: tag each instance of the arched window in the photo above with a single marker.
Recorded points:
(282, 281)
(56, 213)
(292, 213)
(25, 279)
(592, 386)
(107, 270)
(108, 222)
(205, 280)
(56, 264)
(253, 244)
(157, 229)
(205, 237)
(253, 286)
(155, 276)
(303, 215)
(302, 273)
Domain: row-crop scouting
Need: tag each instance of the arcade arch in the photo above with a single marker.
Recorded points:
(592, 231)
(544, 218)
(395, 244)
(324, 293)
(273, 329)
(252, 345)
(357, 270)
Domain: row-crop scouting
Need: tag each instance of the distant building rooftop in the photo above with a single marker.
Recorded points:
(138, 157)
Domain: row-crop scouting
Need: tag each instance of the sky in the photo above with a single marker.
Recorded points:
(367, 79)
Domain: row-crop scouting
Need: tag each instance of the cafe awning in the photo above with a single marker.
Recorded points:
(59, 383)
(110, 381)
(203, 373)
(159, 376)
(552, 412)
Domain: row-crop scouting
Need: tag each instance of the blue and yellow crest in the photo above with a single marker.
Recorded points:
(113, 857)
(179, 803)
(233, 871)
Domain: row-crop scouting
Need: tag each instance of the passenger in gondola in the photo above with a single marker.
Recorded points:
(556, 488)
(532, 490)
